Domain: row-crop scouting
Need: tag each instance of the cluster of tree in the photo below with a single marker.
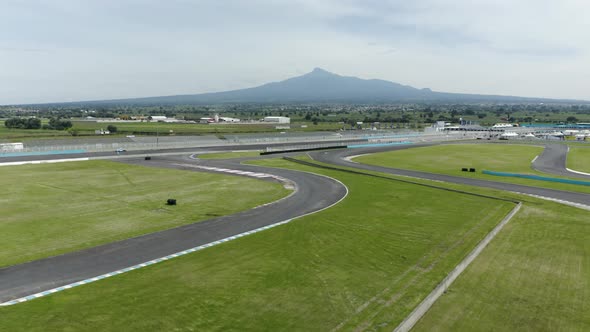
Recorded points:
(485, 114)
(35, 123)
(23, 123)
(58, 124)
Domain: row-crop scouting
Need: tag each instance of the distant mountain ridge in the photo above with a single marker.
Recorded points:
(321, 86)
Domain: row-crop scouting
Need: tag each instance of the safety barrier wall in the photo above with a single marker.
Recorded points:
(371, 145)
(537, 177)
(305, 141)
(302, 149)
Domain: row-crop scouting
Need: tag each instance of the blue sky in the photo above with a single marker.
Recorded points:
(68, 50)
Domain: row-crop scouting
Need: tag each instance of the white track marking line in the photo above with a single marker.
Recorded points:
(181, 253)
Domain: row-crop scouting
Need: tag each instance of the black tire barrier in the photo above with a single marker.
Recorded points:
(306, 149)
(171, 201)
(463, 169)
(472, 170)
(148, 158)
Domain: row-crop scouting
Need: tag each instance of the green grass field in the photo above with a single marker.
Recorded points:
(178, 128)
(16, 135)
(197, 128)
(578, 159)
(535, 276)
(229, 155)
(360, 265)
(87, 128)
(539, 268)
(50, 209)
(450, 158)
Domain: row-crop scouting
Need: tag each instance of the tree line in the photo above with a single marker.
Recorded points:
(35, 123)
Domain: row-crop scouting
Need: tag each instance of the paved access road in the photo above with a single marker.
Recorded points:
(338, 157)
(313, 193)
(553, 160)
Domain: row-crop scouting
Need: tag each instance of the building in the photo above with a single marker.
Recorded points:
(159, 118)
(163, 118)
(9, 147)
(277, 119)
(226, 119)
(217, 119)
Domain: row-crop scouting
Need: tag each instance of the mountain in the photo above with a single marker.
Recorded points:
(321, 86)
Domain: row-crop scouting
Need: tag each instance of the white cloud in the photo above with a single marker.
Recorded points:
(74, 50)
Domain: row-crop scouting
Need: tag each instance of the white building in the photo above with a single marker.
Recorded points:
(217, 119)
(163, 118)
(159, 118)
(509, 134)
(226, 119)
(277, 119)
(503, 125)
(9, 147)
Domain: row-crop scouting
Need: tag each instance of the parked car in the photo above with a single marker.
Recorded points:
(120, 150)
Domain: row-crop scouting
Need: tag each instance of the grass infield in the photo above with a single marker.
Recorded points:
(451, 158)
(578, 159)
(50, 209)
(362, 264)
(535, 276)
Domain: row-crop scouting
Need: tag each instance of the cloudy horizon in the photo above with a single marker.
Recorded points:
(65, 50)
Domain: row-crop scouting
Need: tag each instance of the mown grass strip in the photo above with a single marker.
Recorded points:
(534, 276)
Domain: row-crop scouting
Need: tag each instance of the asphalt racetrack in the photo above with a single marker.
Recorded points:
(338, 157)
(553, 161)
(313, 193)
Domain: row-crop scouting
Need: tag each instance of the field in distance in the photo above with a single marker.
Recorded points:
(87, 128)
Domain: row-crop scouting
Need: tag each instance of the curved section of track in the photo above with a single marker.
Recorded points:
(339, 157)
(313, 193)
(553, 160)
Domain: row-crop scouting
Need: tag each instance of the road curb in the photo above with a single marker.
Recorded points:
(577, 172)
